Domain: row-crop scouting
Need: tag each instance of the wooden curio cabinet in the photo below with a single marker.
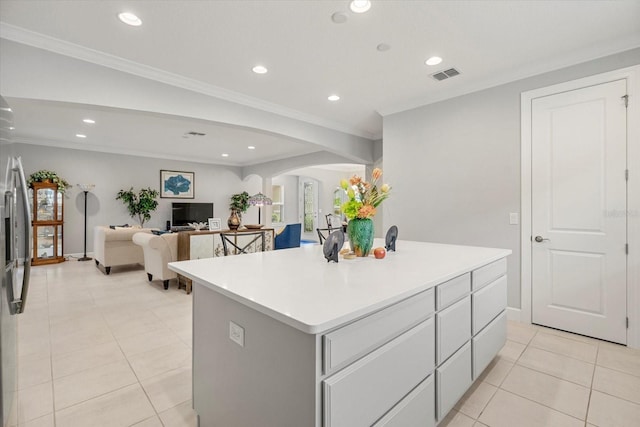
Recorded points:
(48, 214)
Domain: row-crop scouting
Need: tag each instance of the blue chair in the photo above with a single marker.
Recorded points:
(289, 237)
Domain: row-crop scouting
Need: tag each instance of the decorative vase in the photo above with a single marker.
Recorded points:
(360, 233)
(234, 220)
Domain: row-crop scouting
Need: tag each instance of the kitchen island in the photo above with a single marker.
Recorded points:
(284, 338)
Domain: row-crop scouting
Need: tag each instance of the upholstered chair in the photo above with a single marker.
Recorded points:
(289, 237)
(159, 250)
(114, 247)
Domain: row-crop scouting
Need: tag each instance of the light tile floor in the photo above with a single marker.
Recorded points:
(97, 350)
(115, 350)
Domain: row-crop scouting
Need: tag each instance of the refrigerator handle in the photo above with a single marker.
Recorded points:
(27, 235)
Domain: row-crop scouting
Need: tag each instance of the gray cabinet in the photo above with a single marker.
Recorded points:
(416, 409)
(364, 391)
(403, 365)
(453, 378)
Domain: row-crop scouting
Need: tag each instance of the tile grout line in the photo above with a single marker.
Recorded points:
(499, 387)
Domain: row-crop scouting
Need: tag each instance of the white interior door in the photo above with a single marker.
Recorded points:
(308, 210)
(579, 211)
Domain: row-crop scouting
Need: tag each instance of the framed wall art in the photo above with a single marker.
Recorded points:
(215, 224)
(177, 185)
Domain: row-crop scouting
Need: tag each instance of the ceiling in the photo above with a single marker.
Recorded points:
(213, 45)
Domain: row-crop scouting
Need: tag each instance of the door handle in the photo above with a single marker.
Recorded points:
(17, 168)
(540, 239)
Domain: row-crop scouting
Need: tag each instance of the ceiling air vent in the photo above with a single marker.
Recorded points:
(443, 75)
(192, 133)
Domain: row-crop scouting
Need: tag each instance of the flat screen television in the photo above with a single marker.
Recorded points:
(184, 213)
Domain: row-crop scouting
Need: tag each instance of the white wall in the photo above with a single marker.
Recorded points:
(113, 172)
(455, 165)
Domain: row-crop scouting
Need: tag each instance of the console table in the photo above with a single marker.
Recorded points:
(208, 244)
(285, 339)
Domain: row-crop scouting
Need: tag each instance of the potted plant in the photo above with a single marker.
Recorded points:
(140, 204)
(239, 204)
(48, 176)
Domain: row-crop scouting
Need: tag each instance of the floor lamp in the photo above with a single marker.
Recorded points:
(86, 188)
(259, 200)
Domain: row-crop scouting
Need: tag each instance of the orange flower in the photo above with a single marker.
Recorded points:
(376, 174)
(355, 180)
(366, 211)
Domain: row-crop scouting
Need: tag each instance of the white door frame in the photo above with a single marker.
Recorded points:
(632, 75)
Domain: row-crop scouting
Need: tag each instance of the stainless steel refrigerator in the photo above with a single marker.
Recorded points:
(15, 253)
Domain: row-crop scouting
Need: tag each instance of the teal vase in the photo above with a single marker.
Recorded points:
(360, 233)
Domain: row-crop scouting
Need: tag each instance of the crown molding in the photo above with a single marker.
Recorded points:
(61, 47)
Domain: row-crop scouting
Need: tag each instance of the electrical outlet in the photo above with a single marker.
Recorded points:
(513, 218)
(236, 333)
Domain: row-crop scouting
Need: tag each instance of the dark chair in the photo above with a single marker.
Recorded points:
(289, 237)
(323, 233)
(231, 245)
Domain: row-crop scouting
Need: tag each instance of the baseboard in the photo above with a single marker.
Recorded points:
(513, 314)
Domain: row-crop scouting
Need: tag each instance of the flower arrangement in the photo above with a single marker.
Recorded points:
(44, 175)
(364, 197)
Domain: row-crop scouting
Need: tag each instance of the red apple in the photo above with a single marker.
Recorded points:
(379, 253)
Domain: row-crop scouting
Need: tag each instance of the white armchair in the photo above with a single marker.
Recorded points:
(115, 247)
(158, 252)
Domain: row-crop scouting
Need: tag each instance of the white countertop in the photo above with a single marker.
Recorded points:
(298, 287)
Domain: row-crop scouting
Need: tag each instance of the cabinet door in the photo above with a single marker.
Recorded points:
(45, 205)
(453, 328)
(417, 409)
(453, 378)
(488, 302)
(488, 343)
(45, 238)
(364, 391)
(201, 246)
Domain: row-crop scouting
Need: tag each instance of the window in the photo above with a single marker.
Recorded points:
(277, 207)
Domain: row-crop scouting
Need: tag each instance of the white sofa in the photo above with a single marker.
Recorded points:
(115, 247)
(159, 250)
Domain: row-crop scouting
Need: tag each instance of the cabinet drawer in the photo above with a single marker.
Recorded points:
(488, 343)
(451, 291)
(453, 379)
(453, 328)
(346, 344)
(488, 302)
(364, 391)
(417, 409)
(488, 273)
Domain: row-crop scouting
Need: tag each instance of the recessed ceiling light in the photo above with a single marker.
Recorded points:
(360, 6)
(434, 60)
(251, 147)
(225, 155)
(130, 19)
(260, 69)
(89, 121)
(12, 128)
(333, 98)
(79, 135)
